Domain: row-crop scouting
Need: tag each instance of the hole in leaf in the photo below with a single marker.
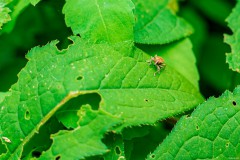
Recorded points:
(93, 99)
(27, 115)
(43, 140)
(197, 127)
(152, 156)
(78, 35)
(79, 78)
(227, 144)
(3, 148)
(117, 150)
(70, 112)
(234, 103)
(146, 100)
(63, 44)
(57, 158)
(36, 154)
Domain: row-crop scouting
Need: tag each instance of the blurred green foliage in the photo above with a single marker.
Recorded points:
(208, 21)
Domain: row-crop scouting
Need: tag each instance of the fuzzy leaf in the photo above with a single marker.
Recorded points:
(211, 132)
(156, 22)
(52, 77)
(233, 59)
(114, 25)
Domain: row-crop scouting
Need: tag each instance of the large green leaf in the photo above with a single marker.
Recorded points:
(233, 21)
(157, 23)
(52, 77)
(210, 132)
(101, 21)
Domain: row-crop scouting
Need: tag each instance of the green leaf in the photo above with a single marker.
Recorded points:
(211, 132)
(233, 59)
(34, 2)
(140, 146)
(41, 141)
(3, 95)
(156, 23)
(101, 21)
(70, 113)
(116, 145)
(4, 12)
(52, 77)
(178, 55)
(15, 7)
(83, 141)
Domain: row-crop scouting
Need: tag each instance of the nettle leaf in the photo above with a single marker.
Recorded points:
(210, 132)
(157, 23)
(110, 21)
(83, 141)
(52, 77)
(233, 59)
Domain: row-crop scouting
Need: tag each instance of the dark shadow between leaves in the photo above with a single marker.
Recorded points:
(3, 148)
(41, 141)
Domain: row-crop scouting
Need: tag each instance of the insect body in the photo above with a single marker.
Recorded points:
(158, 62)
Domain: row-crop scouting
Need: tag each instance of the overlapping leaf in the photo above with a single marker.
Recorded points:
(10, 9)
(233, 20)
(85, 140)
(211, 132)
(156, 22)
(110, 21)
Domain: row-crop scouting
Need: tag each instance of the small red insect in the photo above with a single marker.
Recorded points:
(158, 62)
